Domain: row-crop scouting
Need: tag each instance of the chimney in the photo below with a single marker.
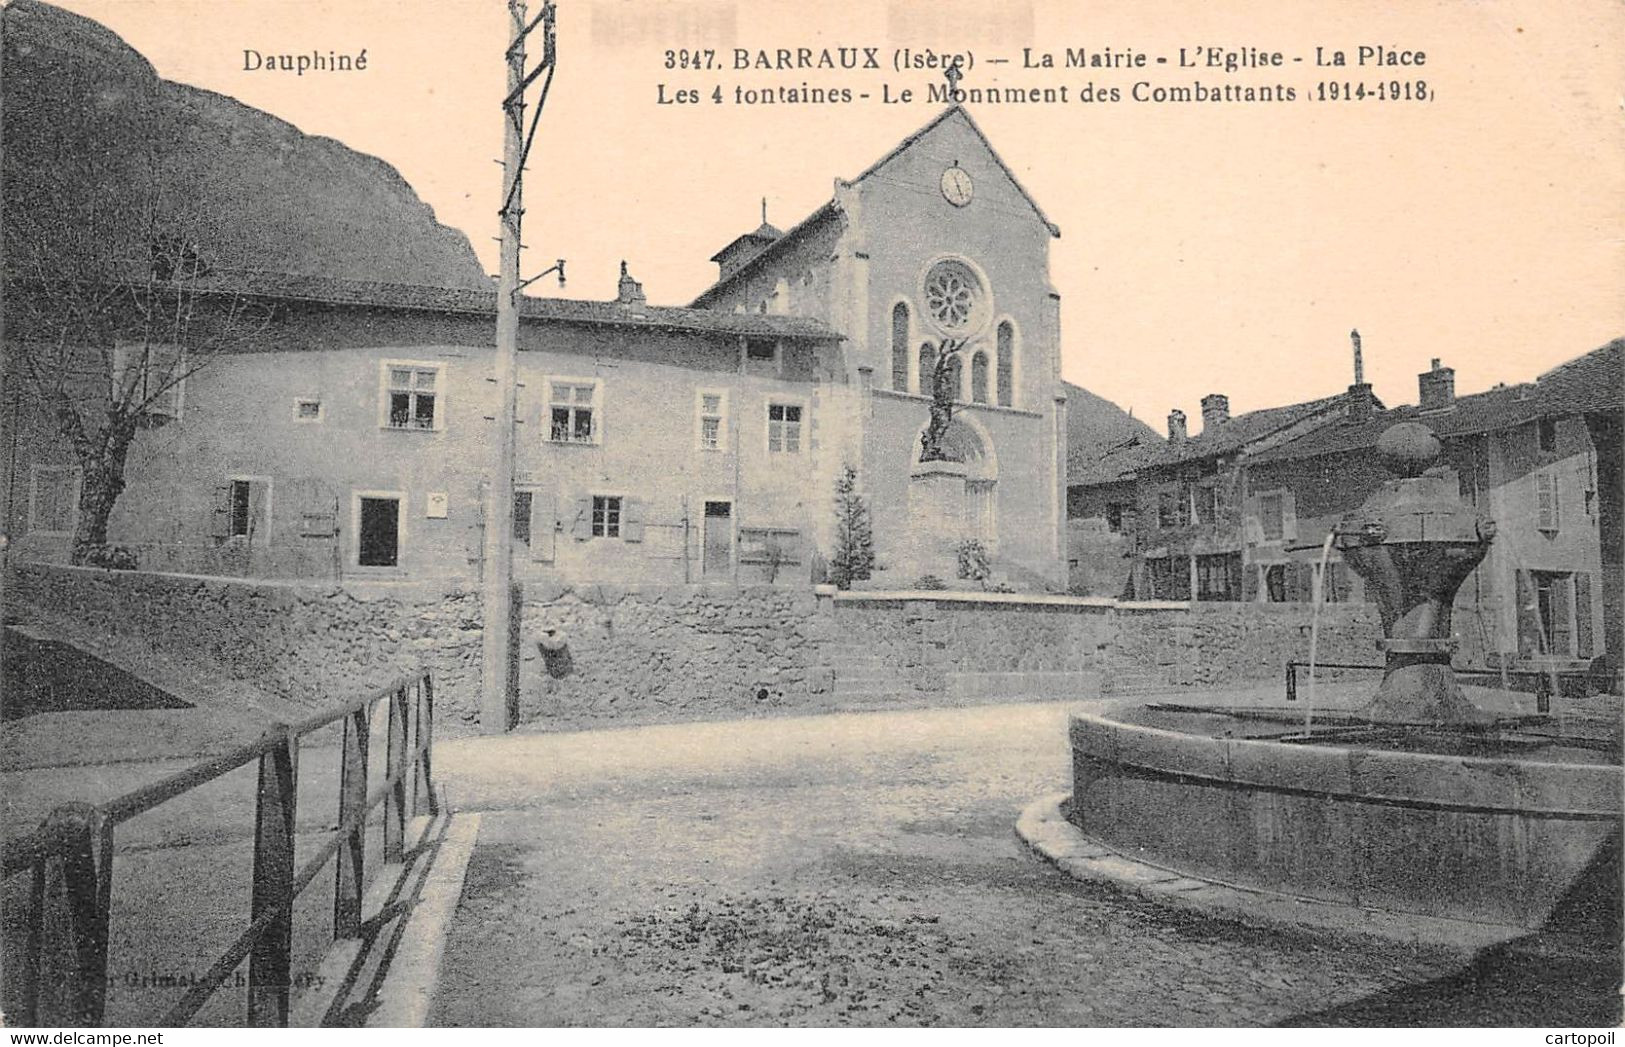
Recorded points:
(630, 291)
(1176, 427)
(1215, 411)
(1361, 405)
(1436, 387)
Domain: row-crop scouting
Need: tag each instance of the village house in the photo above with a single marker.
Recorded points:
(1242, 511)
(655, 444)
(1525, 456)
(1180, 503)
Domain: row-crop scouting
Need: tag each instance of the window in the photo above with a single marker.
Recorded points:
(53, 499)
(769, 545)
(1120, 518)
(978, 378)
(1275, 583)
(1546, 501)
(1007, 363)
(606, 516)
(711, 414)
(307, 410)
(242, 509)
(899, 347)
(572, 411)
(1167, 509)
(1170, 578)
(378, 528)
(1546, 433)
(521, 516)
(956, 376)
(761, 349)
(1272, 515)
(412, 395)
(149, 379)
(1205, 505)
(954, 297)
(1554, 600)
(241, 520)
(784, 428)
(928, 367)
(1218, 577)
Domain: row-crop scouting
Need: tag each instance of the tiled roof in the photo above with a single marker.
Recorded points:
(559, 310)
(1116, 464)
(1243, 429)
(1591, 382)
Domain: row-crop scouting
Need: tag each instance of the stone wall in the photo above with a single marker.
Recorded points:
(1136, 646)
(659, 653)
(310, 643)
(628, 655)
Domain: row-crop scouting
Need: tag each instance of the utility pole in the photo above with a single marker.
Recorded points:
(498, 662)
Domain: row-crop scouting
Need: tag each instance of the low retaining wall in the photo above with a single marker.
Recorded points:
(638, 654)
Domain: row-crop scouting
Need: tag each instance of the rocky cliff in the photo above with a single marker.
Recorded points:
(89, 125)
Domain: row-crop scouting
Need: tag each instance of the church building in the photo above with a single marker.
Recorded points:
(655, 444)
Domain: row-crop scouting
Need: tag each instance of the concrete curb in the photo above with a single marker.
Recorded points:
(1044, 827)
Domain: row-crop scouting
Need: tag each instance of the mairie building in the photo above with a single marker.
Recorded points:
(658, 444)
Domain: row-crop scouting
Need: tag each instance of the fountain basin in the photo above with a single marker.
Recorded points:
(1497, 837)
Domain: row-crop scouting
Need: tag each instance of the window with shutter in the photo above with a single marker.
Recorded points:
(1546, 501)
(1584, 639)
(631, 519)
(150, 380)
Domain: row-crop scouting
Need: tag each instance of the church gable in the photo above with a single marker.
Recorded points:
(953, 139)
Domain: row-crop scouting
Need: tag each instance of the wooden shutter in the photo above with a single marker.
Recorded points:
(581, 526)
(1529, 639)
(632, 519)
(1546, 500)
(544, 524)
(259, 517)
(1289, 517)
(1584, 638)
(1562, 616)
(220, 517)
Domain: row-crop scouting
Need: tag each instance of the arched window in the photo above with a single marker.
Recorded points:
(978, 378)
(956, 376)
(1007, 360)
(899, 347)
(928, 367)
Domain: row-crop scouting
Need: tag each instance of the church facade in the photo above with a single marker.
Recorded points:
(655, 444)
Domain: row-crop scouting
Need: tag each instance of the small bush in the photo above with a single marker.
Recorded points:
(929, 583)
(974, 562)
(113, 558)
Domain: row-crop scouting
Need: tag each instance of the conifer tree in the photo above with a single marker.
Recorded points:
(854, 557)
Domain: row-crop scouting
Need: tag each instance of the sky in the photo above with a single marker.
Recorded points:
(1205, 247)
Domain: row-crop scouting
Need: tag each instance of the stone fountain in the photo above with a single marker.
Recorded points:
(1413, 543)
(1419, 812)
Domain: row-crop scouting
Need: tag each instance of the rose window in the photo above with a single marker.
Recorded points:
(953, 295)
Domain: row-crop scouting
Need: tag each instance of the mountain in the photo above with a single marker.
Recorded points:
(1095, 427)
(90, 128)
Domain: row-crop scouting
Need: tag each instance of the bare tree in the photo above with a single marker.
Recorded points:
(119, 285)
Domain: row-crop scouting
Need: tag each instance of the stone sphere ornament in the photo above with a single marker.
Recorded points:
(1408, 449)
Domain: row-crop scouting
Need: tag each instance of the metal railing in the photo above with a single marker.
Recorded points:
(71, 856)
(1541, 683)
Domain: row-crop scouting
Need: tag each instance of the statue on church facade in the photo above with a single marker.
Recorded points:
(944, 391)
